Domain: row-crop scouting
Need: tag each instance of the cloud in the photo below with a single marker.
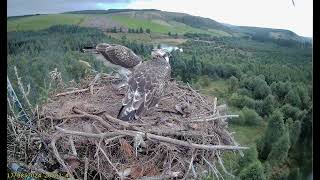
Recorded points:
(22, 7)
(262, 13)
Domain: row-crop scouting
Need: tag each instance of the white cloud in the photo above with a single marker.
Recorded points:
(261, 13)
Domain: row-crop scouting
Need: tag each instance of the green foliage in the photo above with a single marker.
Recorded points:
(275, 129)
(294, 130)
(253, 172)
(242, 101)
(257, 85)
(305, 144)
(295, 174)
(268, 105)
(233, 83)
(267, 169)
(290, 111)
(204, 81)
(280, 89)
(279, 151)
(201, 36)
(293, 98)
(250, 117)
(250, 156)
(304, 96)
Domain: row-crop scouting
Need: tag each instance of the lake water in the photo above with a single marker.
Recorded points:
(170, 48)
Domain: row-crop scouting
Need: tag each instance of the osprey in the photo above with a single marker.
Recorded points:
(146, 85)
(120, 57)
(116, 54)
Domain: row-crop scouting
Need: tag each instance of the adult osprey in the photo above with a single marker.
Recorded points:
(146, 85)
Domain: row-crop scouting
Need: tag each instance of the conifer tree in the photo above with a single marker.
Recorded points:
(279, 151)
(253, 172)
(275, 129)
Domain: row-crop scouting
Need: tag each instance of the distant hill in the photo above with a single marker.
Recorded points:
(109, 11)
(22, 16)
(259, 33)
(156, 20)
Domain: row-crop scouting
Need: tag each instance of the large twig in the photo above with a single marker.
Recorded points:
(234, 141)
(24, 93)
(73, 92)
(109, 161)
(153, 136)
(73, 148)
(56, 153)
(200, 97)
(86, 164)
(167, 176)
(93, 82)
(90, 135)
(211, 166)
(98, 118)
(223, 168)
(190, 166)
(211, 118)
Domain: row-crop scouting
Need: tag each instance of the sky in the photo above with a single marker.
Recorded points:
(280, 14)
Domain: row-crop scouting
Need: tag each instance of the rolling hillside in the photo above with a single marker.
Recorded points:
(157, 21)
(37, 22)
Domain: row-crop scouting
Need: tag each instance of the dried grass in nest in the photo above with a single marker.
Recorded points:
(184, 136)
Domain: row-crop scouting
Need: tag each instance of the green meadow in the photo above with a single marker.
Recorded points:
(42, 21)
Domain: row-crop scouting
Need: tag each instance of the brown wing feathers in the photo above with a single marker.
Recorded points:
(142, 93)
(118, 55)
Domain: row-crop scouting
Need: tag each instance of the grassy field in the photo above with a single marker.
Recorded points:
(216, 88)
(42, 21)
(137, 23)
(247, 135)
(219, 33)
(160, 26)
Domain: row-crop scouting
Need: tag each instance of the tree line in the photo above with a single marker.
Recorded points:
(129, 30)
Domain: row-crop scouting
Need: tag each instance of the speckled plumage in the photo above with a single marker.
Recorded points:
(146, 86)
(119, 55)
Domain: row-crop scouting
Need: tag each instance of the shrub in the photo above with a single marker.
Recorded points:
(250, 117)
(275, 129)
(253, 172)
(279, 151)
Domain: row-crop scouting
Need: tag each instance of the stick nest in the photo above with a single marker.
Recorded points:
(80, 135)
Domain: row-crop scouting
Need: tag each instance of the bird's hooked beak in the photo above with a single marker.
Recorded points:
(89, 50)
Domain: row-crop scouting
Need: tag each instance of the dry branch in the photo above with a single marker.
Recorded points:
(211, 118)
(155, 137)
(73, 92)
(58, 157)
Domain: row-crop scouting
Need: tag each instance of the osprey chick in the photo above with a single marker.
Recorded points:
(123, 59)
(116, 54)
(146, 85)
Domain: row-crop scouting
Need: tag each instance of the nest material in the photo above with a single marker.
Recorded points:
(181, 138)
